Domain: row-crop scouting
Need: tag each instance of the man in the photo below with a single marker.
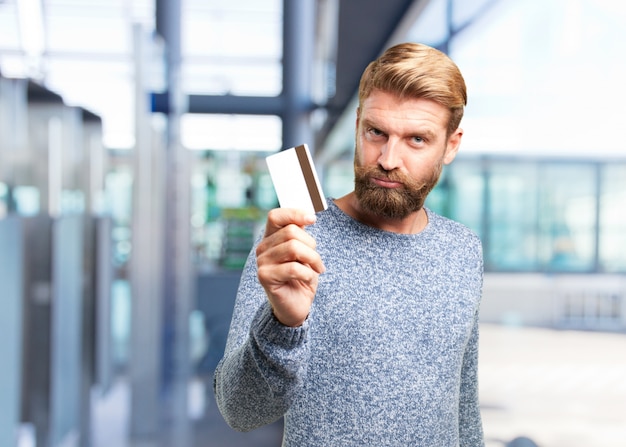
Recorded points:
(360, 325)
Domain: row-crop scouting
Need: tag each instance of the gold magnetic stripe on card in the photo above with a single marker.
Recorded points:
(309, 178)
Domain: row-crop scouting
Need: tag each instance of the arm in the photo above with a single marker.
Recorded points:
(470, 422)
(262, 368)
(266, 353)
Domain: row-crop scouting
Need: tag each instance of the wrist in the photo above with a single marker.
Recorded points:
(289, 321)
(266, 328)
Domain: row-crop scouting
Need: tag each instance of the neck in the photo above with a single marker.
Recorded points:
(412, 224)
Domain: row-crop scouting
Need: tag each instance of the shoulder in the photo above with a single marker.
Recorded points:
(453, 233)
(459, 246)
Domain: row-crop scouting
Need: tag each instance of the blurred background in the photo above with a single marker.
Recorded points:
(133, 183)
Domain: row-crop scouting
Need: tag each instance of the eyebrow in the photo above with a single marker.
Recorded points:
(429, 134)
(426, 132)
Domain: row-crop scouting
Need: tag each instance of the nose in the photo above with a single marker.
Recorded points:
(390, 158)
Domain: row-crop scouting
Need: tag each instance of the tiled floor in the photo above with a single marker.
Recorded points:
(558, 388)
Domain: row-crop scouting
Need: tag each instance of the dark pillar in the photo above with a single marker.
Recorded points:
(298, 54)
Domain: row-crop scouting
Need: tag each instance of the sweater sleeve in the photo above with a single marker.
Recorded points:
(470, 422)
(264, 361)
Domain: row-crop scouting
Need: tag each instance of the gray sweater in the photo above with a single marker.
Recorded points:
(388, 355)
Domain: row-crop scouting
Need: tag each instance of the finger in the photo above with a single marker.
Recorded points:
(281, 217)
(286, 234)
(273, 275)
(291, 250)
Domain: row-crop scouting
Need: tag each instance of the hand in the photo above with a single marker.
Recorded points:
(288, 265)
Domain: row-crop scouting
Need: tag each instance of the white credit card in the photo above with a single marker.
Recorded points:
(295, 179)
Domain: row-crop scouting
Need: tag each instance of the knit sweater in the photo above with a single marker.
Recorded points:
(388, 355)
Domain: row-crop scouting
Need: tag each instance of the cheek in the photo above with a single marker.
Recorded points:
(422, 168)
(359, 156)
(365, 153)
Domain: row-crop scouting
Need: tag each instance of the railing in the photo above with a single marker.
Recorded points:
(592, 309)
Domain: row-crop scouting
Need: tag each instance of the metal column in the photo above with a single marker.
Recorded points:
(298, 56)
(177, 269)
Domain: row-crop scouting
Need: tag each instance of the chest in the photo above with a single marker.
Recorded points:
(371, 322)
(396, 309)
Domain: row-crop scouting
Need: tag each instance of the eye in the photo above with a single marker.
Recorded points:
(418, 140)
(374, 133)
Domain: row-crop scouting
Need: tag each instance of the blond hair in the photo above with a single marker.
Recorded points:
(412, 70)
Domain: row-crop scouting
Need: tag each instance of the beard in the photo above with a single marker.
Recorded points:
(392, 203)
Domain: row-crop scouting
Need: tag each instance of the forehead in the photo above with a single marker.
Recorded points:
(407, 114)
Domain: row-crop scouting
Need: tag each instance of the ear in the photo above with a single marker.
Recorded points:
(452, 146)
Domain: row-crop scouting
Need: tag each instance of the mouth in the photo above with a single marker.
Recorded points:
(386, 183)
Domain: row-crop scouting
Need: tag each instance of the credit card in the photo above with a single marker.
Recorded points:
(295, 179)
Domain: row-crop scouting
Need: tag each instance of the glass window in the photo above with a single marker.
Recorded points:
(466, 184)
(27, 200)
(431, 26)
(232, 77)
(232, 47)
(439, 198)
(567, 217)
(230, 191)
(338, 178)
(512, 216)
(231, 132)
(538, 216)
(612, 235)
(442, 17)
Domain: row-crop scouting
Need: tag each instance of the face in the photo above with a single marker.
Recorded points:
(401, 147)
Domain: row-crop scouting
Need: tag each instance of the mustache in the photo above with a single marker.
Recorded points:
(392, 176)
